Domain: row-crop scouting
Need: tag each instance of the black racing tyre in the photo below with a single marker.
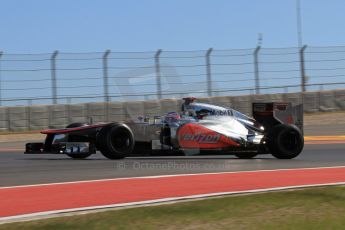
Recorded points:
(246, 155)
(285, 141)
(72, 138)
(115, 141)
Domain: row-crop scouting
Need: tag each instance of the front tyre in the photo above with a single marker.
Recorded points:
(285, 141)
(115, 141)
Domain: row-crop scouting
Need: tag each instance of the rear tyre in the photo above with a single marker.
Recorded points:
(115, 141)
(77, 139)
(245, 155)
(285, 141)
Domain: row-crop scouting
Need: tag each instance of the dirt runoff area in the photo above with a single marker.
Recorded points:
(322, 123)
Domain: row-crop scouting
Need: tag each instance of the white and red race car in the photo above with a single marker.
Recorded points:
(276, 128)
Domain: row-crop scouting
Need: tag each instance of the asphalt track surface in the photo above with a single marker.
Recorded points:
(17, 168)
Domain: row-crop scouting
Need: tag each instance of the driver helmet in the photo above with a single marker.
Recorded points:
(185, 108)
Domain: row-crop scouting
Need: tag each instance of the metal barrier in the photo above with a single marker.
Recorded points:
(58, 116)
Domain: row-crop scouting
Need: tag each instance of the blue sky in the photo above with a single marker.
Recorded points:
(82, 25)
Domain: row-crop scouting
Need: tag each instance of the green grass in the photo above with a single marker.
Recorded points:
(317, 208)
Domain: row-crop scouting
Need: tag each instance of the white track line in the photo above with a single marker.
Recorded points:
(49, 214)
(171, 175)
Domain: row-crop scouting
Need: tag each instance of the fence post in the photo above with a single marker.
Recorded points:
(303, 79)
(158, 74)
(256, 70)
(0, 80)
(53, 76)
(208, 72)
(105, 76)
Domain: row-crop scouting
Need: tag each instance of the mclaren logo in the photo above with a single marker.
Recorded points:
(201, 137)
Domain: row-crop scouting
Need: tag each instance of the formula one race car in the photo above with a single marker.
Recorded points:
(276, 128)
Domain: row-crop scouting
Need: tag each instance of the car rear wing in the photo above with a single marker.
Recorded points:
(273, 113)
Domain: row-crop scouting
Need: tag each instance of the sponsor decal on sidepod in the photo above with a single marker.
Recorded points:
(193, 135)
(201, 137)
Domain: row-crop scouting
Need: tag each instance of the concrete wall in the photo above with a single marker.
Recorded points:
(57, 116)
(4, 120)
(38, 117)
(18, 118)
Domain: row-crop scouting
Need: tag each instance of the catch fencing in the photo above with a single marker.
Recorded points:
(69, 78)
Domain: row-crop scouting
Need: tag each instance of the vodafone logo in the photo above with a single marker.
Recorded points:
(201, 138)
(196, 136)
